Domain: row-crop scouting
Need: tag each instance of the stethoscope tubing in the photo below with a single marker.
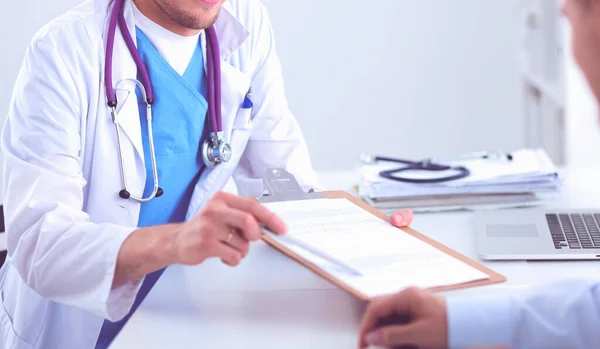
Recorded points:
(425, 165)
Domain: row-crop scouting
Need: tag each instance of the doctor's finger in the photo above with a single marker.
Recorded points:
(260, 212)
(234, 238)
(402, 218)
(226, 253)
(242, 222)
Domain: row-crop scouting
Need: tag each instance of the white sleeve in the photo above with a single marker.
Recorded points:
(57, 251)
(276, 139)
(564, 314)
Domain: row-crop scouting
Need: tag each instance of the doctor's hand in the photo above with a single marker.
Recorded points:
(402, 218)
(224, 229)
(425, 327)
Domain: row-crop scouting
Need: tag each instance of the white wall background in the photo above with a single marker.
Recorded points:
(401, 77)
(19, 20)
(408, 78)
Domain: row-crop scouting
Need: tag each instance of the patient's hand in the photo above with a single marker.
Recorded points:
(402, 218)
(423, 323)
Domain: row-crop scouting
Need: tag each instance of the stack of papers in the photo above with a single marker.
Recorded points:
(491, 183)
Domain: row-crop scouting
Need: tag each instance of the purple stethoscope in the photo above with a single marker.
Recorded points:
(215, 149)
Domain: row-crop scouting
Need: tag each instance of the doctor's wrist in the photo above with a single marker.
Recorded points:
(145, 251)
(166, 247)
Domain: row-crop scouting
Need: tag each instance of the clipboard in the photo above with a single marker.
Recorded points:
(282, 186)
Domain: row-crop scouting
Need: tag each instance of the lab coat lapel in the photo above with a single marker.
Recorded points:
(230, 31)
(124, 74)
(234, 84)
(124, 83)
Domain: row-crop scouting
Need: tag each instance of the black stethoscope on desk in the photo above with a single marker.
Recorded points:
(430, 165)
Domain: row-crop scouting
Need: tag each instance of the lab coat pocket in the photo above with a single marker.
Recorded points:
(242, 129)
(243, 119)
(23, 312)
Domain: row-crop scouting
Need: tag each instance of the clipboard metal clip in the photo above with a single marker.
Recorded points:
(280, 185)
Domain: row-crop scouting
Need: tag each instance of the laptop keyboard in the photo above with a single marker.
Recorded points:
(574, 230)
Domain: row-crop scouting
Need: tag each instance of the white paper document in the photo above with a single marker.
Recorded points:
(388, 259)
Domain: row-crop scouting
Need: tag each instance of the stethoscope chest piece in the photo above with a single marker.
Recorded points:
(215, 151)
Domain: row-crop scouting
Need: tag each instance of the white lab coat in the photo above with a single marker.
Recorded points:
(65, 221)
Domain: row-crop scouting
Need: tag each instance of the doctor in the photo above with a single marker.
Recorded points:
(127, 119)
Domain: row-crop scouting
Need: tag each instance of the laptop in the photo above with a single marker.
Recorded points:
(535, 234)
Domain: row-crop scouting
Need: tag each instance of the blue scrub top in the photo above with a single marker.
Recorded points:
(179, 116)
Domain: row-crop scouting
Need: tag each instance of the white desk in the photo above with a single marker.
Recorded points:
(271, 302)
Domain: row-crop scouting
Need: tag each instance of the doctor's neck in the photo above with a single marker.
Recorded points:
(182, 17)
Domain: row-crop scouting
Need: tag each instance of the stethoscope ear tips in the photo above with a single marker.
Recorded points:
(159, 193)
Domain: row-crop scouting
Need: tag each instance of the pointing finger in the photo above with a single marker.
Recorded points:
(260, 212)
